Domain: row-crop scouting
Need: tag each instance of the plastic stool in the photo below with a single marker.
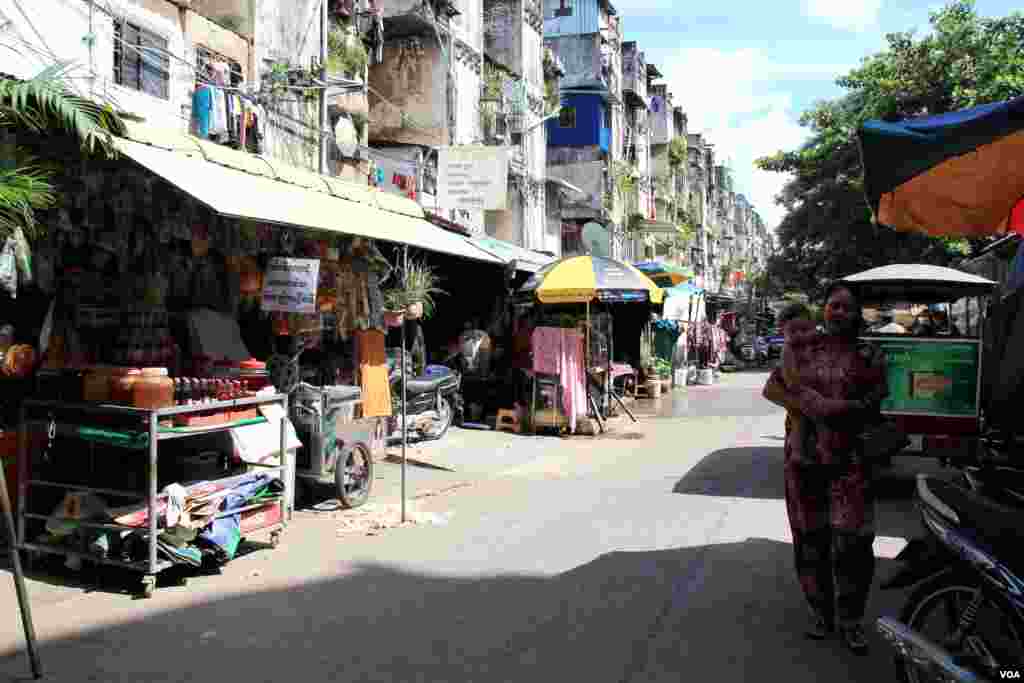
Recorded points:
(508, 421)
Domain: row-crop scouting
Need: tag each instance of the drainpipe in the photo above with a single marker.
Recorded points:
(323, 92)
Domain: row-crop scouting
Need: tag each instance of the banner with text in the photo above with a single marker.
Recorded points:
(473, 178)
(290, 285)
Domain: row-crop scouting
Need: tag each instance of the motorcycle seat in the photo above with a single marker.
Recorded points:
(998, 525)
(423, 385)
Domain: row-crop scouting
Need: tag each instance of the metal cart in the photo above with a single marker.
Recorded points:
(339, 444)
(69, 420)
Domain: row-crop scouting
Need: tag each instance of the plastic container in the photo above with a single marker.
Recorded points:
(122, 383)
(706, 377)
(153, 389)
(96, 384)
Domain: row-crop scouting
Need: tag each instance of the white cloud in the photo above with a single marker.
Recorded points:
(847, 15)
(723, 94)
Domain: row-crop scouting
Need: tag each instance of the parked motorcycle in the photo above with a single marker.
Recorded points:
(968, 570)
(754, 353)
(928, 661)
(433, 400)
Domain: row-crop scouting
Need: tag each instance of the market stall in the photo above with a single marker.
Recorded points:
(594, 287)
(172, 370)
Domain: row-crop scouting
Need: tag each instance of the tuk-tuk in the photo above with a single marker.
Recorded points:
(931, 328)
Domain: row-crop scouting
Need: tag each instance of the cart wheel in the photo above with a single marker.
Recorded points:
(148, 586)
(353, 476)
(275, 539)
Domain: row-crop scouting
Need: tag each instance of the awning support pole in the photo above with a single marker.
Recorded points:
(405, 431)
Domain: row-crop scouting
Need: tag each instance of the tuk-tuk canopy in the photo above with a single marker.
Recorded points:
(917, 283)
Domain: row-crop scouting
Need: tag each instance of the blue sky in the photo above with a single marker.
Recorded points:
(744, 71)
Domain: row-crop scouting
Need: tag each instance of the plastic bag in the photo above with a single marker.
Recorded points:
(22, 255)
(9, 268)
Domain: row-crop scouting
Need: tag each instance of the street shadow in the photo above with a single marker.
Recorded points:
(757, 473)
(718, 612)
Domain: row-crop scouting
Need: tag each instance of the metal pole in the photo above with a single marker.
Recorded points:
(152, 494)
(323, 92)
(19, 576)
(405, 269)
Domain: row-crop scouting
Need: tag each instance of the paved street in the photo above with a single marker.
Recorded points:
(657, 552)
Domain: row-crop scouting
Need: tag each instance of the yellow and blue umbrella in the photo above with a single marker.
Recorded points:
(664, 274)
(955, 174)
(582, 279)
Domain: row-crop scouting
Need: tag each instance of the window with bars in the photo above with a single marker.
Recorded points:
(205, 56)
(141, 60)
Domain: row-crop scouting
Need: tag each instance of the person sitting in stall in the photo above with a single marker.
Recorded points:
(944, 326)
(924, 325)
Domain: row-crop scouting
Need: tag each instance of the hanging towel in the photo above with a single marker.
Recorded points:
(243, 125)
(373, 373)
(219, 122)
(202, 110)
(574, 394)
(547, 348)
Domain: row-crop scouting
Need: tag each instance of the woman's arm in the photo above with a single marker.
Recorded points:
(876, 389)
(801, 400)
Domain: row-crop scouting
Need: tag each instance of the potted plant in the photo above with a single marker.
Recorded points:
(414, 294)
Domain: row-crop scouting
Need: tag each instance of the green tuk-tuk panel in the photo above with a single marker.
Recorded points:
(931, 377)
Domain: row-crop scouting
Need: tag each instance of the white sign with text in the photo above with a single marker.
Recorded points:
(290, 285)
(473, 178)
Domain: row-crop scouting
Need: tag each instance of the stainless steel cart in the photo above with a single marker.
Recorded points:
(143, 433)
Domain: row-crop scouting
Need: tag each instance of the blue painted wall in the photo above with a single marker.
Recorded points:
(585, 18)
(589, 128)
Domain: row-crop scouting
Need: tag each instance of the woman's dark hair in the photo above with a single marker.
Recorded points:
(858, 306)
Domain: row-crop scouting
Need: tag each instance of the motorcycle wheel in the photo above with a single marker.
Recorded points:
(444, 421)
(354, 476)
(996, 628)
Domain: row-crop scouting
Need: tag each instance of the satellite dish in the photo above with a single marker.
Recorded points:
(595, 239)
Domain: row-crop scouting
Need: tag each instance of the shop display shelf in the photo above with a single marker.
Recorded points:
(73, 420)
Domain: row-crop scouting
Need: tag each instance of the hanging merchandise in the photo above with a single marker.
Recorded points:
(559, 352)
(202, 110)
(373, 373)
(8, 269)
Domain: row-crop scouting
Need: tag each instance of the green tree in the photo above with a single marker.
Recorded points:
(827, 232)
(44, 106)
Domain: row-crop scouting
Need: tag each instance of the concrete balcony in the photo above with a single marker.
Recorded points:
(415, 17)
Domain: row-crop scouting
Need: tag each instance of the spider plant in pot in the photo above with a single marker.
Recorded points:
(414, 293)
(420, 283)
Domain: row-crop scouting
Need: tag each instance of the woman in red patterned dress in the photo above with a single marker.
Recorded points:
(829, 494)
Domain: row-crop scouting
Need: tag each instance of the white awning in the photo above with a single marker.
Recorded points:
(241, 185)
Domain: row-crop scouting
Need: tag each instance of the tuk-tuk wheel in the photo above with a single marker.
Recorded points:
(353, 475)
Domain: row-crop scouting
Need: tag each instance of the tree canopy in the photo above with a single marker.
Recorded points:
(963, 61)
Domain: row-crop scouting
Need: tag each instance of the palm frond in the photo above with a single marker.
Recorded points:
(23, 190)
(44, 103)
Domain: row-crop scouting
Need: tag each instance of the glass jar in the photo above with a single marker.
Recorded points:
(154, 389)
(122, 384)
